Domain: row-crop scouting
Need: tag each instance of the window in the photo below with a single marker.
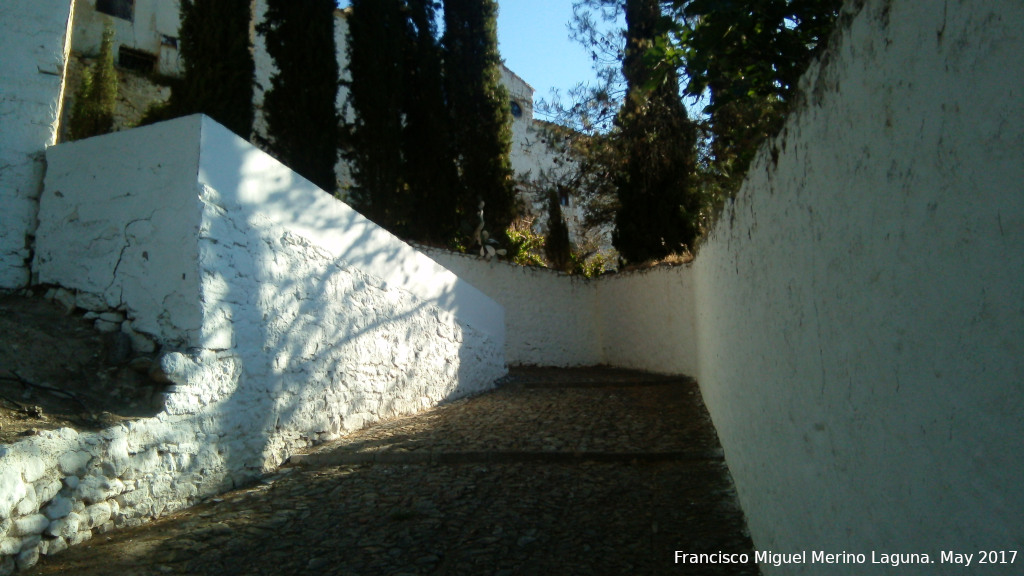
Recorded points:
(136, 60)
(124, 9)
(517, 110)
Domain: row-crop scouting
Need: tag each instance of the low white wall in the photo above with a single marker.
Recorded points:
(647, 320)
(299, 320)
(31, 81)
(860, 307)
(551, 318)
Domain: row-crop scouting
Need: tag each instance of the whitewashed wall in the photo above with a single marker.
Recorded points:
(551, 319)
(297, 320)
(32, 69)
(860, 307)
(647, 320)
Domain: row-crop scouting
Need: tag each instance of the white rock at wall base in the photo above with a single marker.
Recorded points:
(30, 525)
(47, 489)
(10, 545)
(28, 504)
(90, 302)
(28, 558)
(97, 514)
(72, 464)
(12, 490)
(52, 546)
(65, 527)
(58, 508)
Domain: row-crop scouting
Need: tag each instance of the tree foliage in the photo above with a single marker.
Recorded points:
(557, 247)
(430, 168)
(218, 67)
(481, 120)
(658, 203)
(745, 57)
(300, 106)
(376, 56)
(92, 113)
(431, 130)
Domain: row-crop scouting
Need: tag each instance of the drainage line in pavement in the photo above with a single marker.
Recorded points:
(501, 457)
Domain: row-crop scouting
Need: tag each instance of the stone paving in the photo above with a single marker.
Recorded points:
(590, 471)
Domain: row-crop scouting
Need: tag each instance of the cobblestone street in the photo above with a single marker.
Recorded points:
(590, 471)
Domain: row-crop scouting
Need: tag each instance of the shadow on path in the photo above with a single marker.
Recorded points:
(589, 471)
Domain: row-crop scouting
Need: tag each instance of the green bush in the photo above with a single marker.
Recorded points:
(92, 112)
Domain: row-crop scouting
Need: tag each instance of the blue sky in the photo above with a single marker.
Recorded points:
(534, 41)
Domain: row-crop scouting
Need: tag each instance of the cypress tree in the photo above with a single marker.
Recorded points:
(557, 247)
(377, 32)
(300, 106)
(218, 65)
(479, 105)
(658, 206)
(92, 113)
(429, 164)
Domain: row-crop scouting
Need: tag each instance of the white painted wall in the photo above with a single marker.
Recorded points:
(647, 320)
(551, 318)
(31, 82)
(860, 307)
(299, 319)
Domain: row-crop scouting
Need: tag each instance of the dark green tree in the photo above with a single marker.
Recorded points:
(745, 57)
(557, 247)
(378, 82)
(429, 162)
(218, 67)
(92, 112)
(300, 106)
(479, 107)
(658, 204)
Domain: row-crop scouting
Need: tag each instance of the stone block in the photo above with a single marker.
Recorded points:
(73, 463)
(28, 558)
(52, 546)
(65, 527)
(58, 508)
(30, 525)
(97, 514)
(10, 545)
(28, 504)
(12, 490)
(47, 489)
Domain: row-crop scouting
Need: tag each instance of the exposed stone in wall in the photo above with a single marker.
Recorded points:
(32, 68)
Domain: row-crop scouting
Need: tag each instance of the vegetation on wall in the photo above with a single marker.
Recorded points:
(300, 106)
(744, 57)
(92, 112)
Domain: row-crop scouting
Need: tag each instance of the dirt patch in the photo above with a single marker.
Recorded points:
(57, 371)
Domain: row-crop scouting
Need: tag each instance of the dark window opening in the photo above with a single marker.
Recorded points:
(171, 41)
(563, 196)
(124, 9)
(517, 110)
(133, 59)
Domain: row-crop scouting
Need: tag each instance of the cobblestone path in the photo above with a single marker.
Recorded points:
(591, 471)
